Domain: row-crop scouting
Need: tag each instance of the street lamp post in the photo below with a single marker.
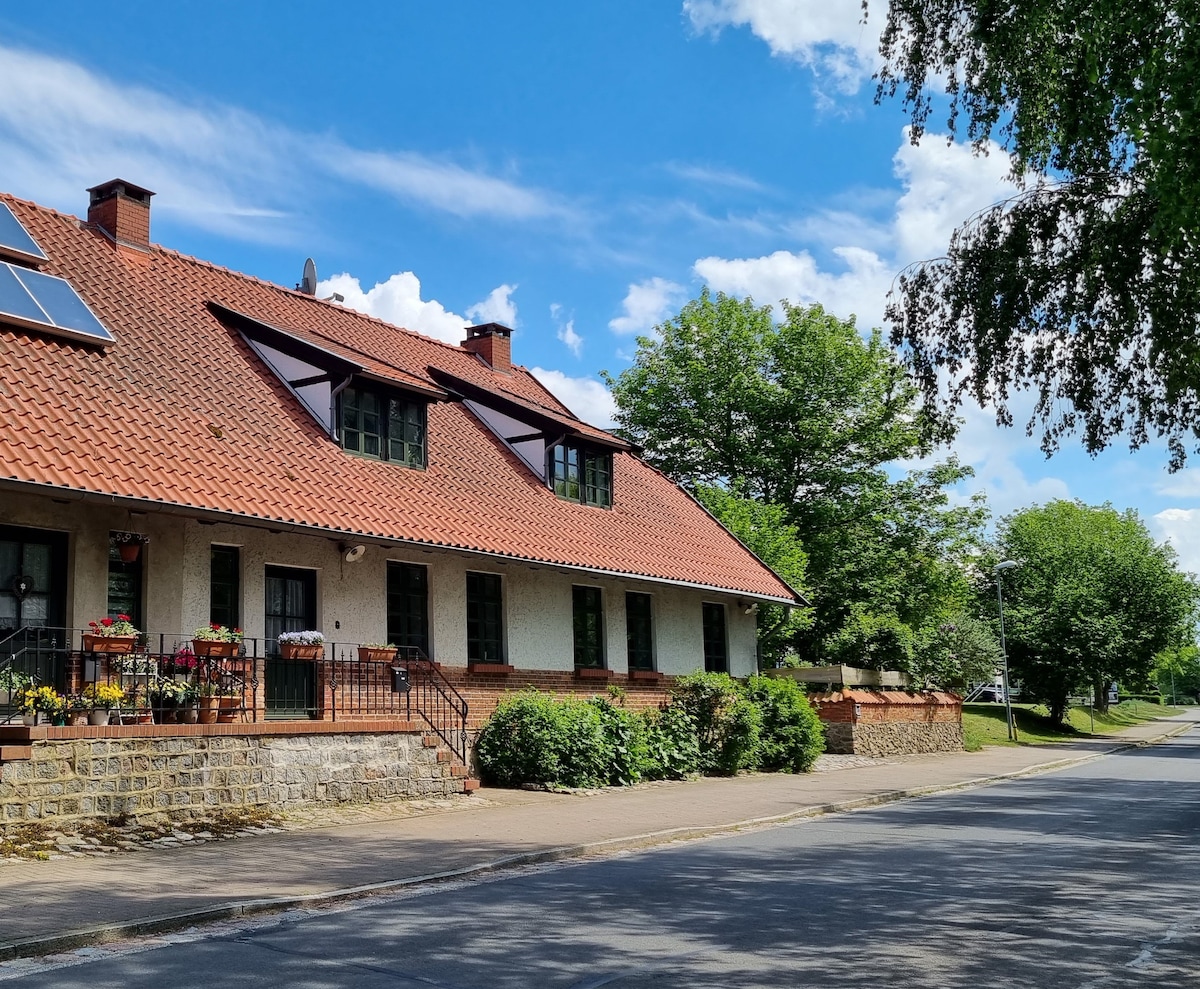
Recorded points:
(1000, 568)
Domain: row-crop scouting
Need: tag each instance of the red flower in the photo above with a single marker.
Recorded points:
(124, 618)
(237, 631)
(215, 627)
(106, 622)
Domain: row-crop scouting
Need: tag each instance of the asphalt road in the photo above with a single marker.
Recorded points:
(1083, 879)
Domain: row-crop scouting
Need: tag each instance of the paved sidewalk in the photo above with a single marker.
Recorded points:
(63, 903)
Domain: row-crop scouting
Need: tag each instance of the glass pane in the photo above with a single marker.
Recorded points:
(13, 234)
(370, 444)
(8, 609)
(35, 609)
(10, 554)
(37, 564)
(15, 299)
(62, 303)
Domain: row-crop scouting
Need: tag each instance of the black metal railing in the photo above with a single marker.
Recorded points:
(165, 678)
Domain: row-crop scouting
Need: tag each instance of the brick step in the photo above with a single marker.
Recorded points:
(470, 785)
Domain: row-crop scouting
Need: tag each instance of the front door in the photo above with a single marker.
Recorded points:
(33, 599)
(291, 606)
(408, 606)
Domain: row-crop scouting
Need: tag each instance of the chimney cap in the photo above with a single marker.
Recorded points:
(488, 329)
(119, 187)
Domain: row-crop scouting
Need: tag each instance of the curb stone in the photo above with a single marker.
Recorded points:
(108, 933)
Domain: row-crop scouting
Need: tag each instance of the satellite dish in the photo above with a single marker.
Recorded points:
(308, 284)
(354, 553)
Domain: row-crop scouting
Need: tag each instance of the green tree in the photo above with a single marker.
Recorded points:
(1085, 285)
(766, 532)
(1177, 673)
(1094, 599)
(805, 414)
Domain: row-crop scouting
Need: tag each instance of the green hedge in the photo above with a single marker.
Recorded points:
(712, 725)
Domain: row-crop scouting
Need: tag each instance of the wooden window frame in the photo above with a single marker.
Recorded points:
(485, 597)
(413, 421)
(587, 626)
(576, 472)
(640, 655)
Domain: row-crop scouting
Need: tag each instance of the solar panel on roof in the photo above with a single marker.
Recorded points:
(15, 240)
(45, 302)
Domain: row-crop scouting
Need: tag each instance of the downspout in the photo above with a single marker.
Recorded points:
(333, 397)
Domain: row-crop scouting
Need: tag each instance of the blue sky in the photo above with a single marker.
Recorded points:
(576, 170)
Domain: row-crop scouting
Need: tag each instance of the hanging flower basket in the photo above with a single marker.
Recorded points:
(129, 545)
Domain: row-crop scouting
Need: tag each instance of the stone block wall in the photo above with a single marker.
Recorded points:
(190, 770)
(890, 722)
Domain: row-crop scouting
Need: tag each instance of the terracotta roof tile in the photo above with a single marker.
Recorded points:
(181, 410)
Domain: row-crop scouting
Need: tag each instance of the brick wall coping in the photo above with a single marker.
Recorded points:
(27, 733)
(915, 698)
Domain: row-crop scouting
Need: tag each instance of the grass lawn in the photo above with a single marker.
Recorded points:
(983, 724)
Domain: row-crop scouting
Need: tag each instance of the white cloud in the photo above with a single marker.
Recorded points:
(1184, 484)
(706, 175)
(498, 307)
(586, 397)
(828, 37)
(942, 185)
(572, 340)
(398, 301)
(219, 168)
(1181, 528)
(647, 303)
(859, 289)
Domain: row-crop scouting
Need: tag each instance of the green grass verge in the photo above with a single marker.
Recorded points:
(984, 724)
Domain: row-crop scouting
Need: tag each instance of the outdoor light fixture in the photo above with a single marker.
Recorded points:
(1000, 568)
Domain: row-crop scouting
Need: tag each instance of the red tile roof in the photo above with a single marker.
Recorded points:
(180, 410)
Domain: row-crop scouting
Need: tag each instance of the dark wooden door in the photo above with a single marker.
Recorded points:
(291, 606)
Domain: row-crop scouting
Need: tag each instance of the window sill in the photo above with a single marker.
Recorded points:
(492, 669)
(645, 675)
(593, 673)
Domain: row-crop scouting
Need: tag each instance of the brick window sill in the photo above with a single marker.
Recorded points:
(491, 669)
(592, 673)
(645, 675)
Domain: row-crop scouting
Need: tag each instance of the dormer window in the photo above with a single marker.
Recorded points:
(382, 426)
(578, 473)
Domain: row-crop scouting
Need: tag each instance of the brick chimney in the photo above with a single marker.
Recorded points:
(122, 210)
(492, 342)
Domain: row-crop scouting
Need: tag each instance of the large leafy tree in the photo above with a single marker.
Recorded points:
(805, 414)
(1094, 599)
(1085, 285)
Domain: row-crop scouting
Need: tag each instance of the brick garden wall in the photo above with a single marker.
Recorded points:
(890, 722)
(483, 691)
(66, 773)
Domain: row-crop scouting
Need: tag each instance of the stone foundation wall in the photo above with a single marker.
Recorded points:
(894, 738)
(65, 778)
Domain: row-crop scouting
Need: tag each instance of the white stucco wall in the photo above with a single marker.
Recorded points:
(351, 597)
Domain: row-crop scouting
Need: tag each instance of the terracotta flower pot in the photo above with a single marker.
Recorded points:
(375, 654)
(208, 710)
(228, 709)
(129, 552)
(294, 650)
(115, 644)
(215, 648)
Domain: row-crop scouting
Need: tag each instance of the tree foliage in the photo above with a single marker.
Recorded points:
(1085, 286)
(787, 429)
(1094, 599)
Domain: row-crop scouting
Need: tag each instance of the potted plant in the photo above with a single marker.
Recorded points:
(208, 694)
(77, 710)
(301, 645)
(165, 693)
(129, 545)
(216, 640)
(102, 698)
(12, 684)
(376, 652)
(229, 705)
(111, 635)
(42, 705)
(188, 710)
